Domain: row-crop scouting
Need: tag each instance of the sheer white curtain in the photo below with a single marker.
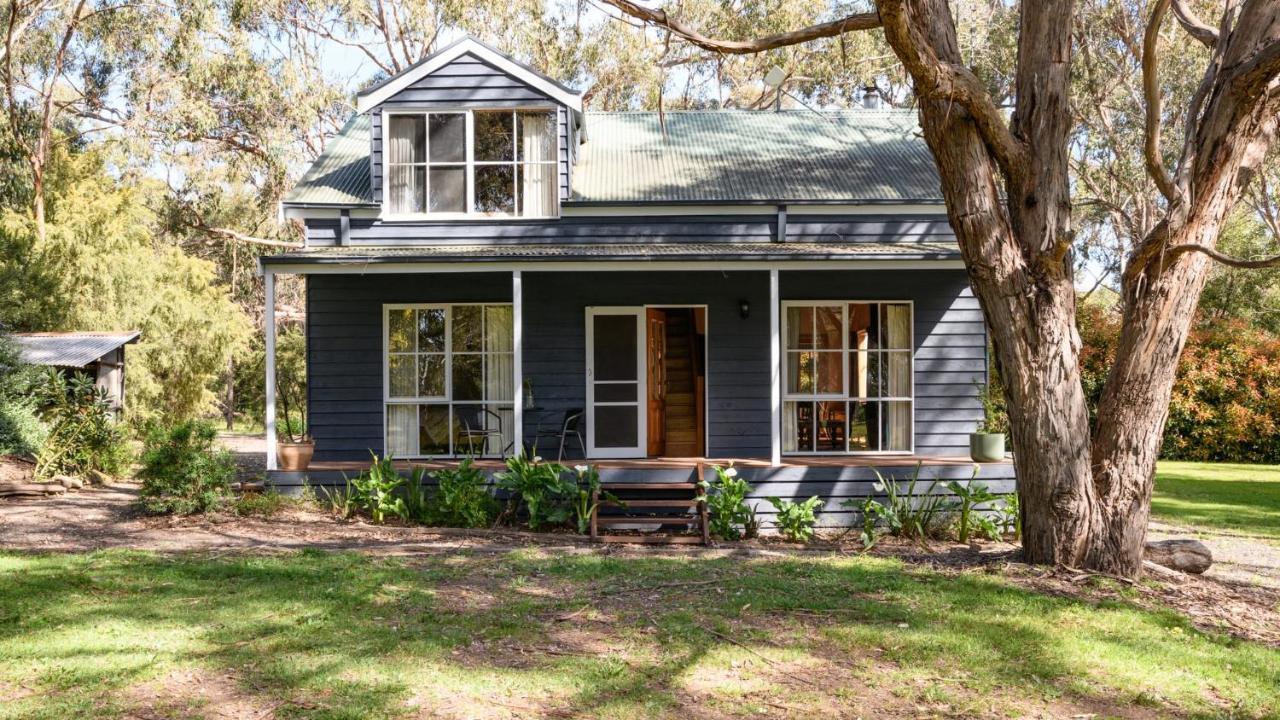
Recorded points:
(402, 430)
(538, 151)
(499, 360)
(897, 415)
(403, 191)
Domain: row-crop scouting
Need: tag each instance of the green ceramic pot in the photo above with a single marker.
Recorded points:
(986, 447)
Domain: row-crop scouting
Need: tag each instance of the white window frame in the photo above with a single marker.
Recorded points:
(447, 399)
(469, 164)
(845, 351)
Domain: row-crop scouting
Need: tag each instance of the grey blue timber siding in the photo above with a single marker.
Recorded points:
(467, 82)
(950, 342)
(345, 344)
(737, 352)
(344, 348)
(632, 229)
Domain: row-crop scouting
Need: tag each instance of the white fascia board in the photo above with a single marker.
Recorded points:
(322, 213)
(356, 267)
(571, 210)
(623, 211)
(868, 209)
(365, 103)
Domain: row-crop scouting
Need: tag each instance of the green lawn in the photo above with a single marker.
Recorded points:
(1219, 496)
(537, 633)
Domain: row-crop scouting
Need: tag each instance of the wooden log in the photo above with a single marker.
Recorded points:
(1184, 555)
(30, 489)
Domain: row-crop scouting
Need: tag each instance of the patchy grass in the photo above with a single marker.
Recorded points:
(534, 633)
(1219, 496)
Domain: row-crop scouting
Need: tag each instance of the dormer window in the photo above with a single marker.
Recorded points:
(473, 163)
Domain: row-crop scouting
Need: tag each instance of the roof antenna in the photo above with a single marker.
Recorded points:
(774, 79)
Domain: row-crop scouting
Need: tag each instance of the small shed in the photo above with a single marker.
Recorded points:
(99, 354)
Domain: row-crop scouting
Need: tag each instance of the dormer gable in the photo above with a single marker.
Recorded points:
(439, 63)
(469, 133)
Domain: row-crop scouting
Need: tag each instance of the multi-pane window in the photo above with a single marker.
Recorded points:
(449, 380)
(847, 383)
(487, 163)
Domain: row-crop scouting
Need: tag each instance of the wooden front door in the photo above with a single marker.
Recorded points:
(657, 364)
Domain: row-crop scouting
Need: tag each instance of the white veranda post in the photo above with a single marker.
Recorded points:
(269, 329)
(775, 370)
(517, 365)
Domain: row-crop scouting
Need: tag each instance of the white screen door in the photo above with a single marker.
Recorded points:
(615, 382)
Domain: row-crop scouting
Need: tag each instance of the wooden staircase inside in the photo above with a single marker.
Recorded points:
(658, 513)
(683, 410)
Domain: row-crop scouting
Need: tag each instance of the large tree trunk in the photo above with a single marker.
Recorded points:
(1134, 408)
(1015, 251)
(1007, 188)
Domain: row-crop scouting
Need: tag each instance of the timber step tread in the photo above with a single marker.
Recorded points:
(649, 516)
(657, 520)
(650, 503)
(649, 486)
(651, 538)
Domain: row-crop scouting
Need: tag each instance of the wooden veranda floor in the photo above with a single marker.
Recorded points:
(660, 463)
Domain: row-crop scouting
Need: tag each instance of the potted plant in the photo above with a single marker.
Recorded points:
(987, 444)
(295, 446)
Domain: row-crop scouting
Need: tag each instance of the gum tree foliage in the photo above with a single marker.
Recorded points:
(101, 265)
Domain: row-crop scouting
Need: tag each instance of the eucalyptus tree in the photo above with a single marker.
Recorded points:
(1008, 185)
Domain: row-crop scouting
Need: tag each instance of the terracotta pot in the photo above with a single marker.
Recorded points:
(295, 456)
(986, 447)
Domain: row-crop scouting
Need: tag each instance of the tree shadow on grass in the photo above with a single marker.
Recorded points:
(342, 635)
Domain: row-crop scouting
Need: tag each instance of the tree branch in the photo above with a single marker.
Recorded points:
(659, 17)
(237, 236)
(1258, 71)
(1194, 26)
(950, 81)
(1151, 93)
(1223, 258)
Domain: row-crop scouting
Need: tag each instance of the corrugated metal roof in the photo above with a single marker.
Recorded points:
(702, 156)
(69, 349)
(340, 176)
(623, 252)
(726, 156)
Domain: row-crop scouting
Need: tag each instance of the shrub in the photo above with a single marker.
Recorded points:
(995, 418)
(587, 496)
(261, 504)
(83, 436)
(21, 432)
(1010, 516)
(907, 515)
(542, 488)
(969, 497)
(796, 519)
(462, 497)
(182, 473)
(1225, 405)
(727, 504)
(376, 491)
